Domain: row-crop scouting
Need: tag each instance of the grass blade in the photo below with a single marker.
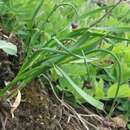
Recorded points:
(97, 104)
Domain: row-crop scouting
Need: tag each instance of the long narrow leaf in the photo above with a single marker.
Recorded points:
(83, 94)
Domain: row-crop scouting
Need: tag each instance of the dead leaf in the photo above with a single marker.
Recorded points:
(119, 122)
(16, 103)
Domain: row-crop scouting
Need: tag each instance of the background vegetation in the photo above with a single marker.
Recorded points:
(82, 46)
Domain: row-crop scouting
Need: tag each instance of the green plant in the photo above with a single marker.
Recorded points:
(78, 55)
(8, 47)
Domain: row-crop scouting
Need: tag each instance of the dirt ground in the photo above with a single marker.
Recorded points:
(38, 111)
(41, 110)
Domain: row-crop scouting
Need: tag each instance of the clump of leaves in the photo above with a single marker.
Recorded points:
(78, 52)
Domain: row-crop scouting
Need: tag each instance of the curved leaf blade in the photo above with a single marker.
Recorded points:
(8, 47)
(97, 104)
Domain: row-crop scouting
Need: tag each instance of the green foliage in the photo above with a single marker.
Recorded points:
(123, 92)
(82, 93)
(8, 47)
(99, 91)
(96, 52)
